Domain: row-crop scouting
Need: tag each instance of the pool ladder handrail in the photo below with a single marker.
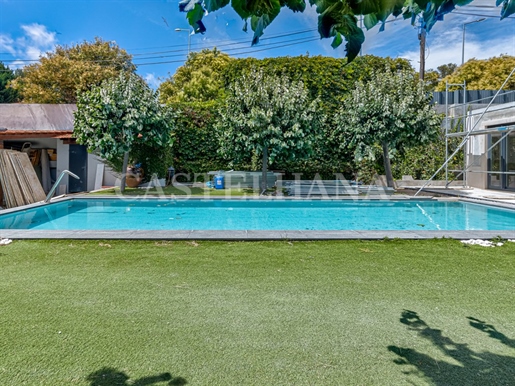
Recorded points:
(56, 183)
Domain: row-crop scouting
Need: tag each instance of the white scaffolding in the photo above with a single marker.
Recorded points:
(466, 133)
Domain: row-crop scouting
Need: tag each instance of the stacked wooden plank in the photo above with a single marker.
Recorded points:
(19, 182)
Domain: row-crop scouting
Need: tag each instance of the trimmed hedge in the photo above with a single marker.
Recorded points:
(196, 143)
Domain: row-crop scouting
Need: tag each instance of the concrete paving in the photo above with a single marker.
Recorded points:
(487, 195)
(250, 235)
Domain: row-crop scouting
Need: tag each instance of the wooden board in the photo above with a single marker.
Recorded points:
(27, 178)
(99, 177)
(10, 186)
(20, 184)
(45, 171)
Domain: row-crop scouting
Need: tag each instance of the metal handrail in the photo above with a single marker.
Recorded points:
(54, 187)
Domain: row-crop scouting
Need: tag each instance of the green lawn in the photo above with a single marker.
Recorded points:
(180, 191)
(100, 313)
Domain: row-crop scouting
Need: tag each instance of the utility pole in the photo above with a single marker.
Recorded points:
(463, 39)
(190, 32)
(422, 38)
(361, 26)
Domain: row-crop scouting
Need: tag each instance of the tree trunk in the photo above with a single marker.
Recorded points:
(264, 169)
(124, 171)
(387, 166)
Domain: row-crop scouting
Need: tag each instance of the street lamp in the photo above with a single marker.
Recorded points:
(190, 32)
(463, 41)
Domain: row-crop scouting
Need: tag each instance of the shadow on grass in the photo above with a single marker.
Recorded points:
(491, 331)
(108, 376)
(462, 366)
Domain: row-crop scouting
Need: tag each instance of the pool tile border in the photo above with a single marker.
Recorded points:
(250, 235)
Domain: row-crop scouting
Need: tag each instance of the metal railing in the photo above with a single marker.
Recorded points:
(54, 187)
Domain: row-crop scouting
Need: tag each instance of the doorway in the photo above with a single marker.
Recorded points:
(78, 164)
(501, 161)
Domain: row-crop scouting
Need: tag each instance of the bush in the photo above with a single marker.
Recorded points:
(195, 147)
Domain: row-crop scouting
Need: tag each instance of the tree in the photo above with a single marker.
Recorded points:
(60, 75)
(486, 74)
(7, 94)
(433, 78)
(121, 116)
(271, 117)
(446, 69)
(199, 80)
(329, 79)
(337, 18)
(392, 111)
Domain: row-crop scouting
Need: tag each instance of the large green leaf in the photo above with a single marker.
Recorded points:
(354, 36)
(365, 7)
(240, 6)
(258, 24)
(337, 41)
(213, 5)
(461, 3)
(187, 5)
(294, 5)
(195, 15)
(370, 20)
(508, 8)
(335, 16)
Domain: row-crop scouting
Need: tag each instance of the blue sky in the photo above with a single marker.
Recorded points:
(146, 29)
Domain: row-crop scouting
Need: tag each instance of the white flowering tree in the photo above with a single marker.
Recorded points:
(392, 111)
(120, 115)
(268, 116)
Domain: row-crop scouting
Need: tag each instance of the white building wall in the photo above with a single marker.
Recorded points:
(477, 146)
(63, 162)
(110, 177)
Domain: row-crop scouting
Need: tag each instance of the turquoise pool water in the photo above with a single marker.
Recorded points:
(113, 214)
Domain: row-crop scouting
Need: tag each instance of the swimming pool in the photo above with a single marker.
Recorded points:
(260, 215)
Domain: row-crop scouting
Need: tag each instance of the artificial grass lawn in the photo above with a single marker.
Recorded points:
(256, 313)
(180, 191)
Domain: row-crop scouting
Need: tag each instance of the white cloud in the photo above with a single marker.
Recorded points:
(17, 64)
(7, 44)
(485, 39)
(446, 47)
(36, 40)
(32, 53)
(39, 35)
(152, 80)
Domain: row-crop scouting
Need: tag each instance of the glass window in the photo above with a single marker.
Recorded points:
(510, 158)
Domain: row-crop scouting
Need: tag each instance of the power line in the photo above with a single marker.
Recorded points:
(180, 53)
(271, 46)
(219, 43)
(479, 14)
(300, 40)
(235, 54)
(235, 43)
